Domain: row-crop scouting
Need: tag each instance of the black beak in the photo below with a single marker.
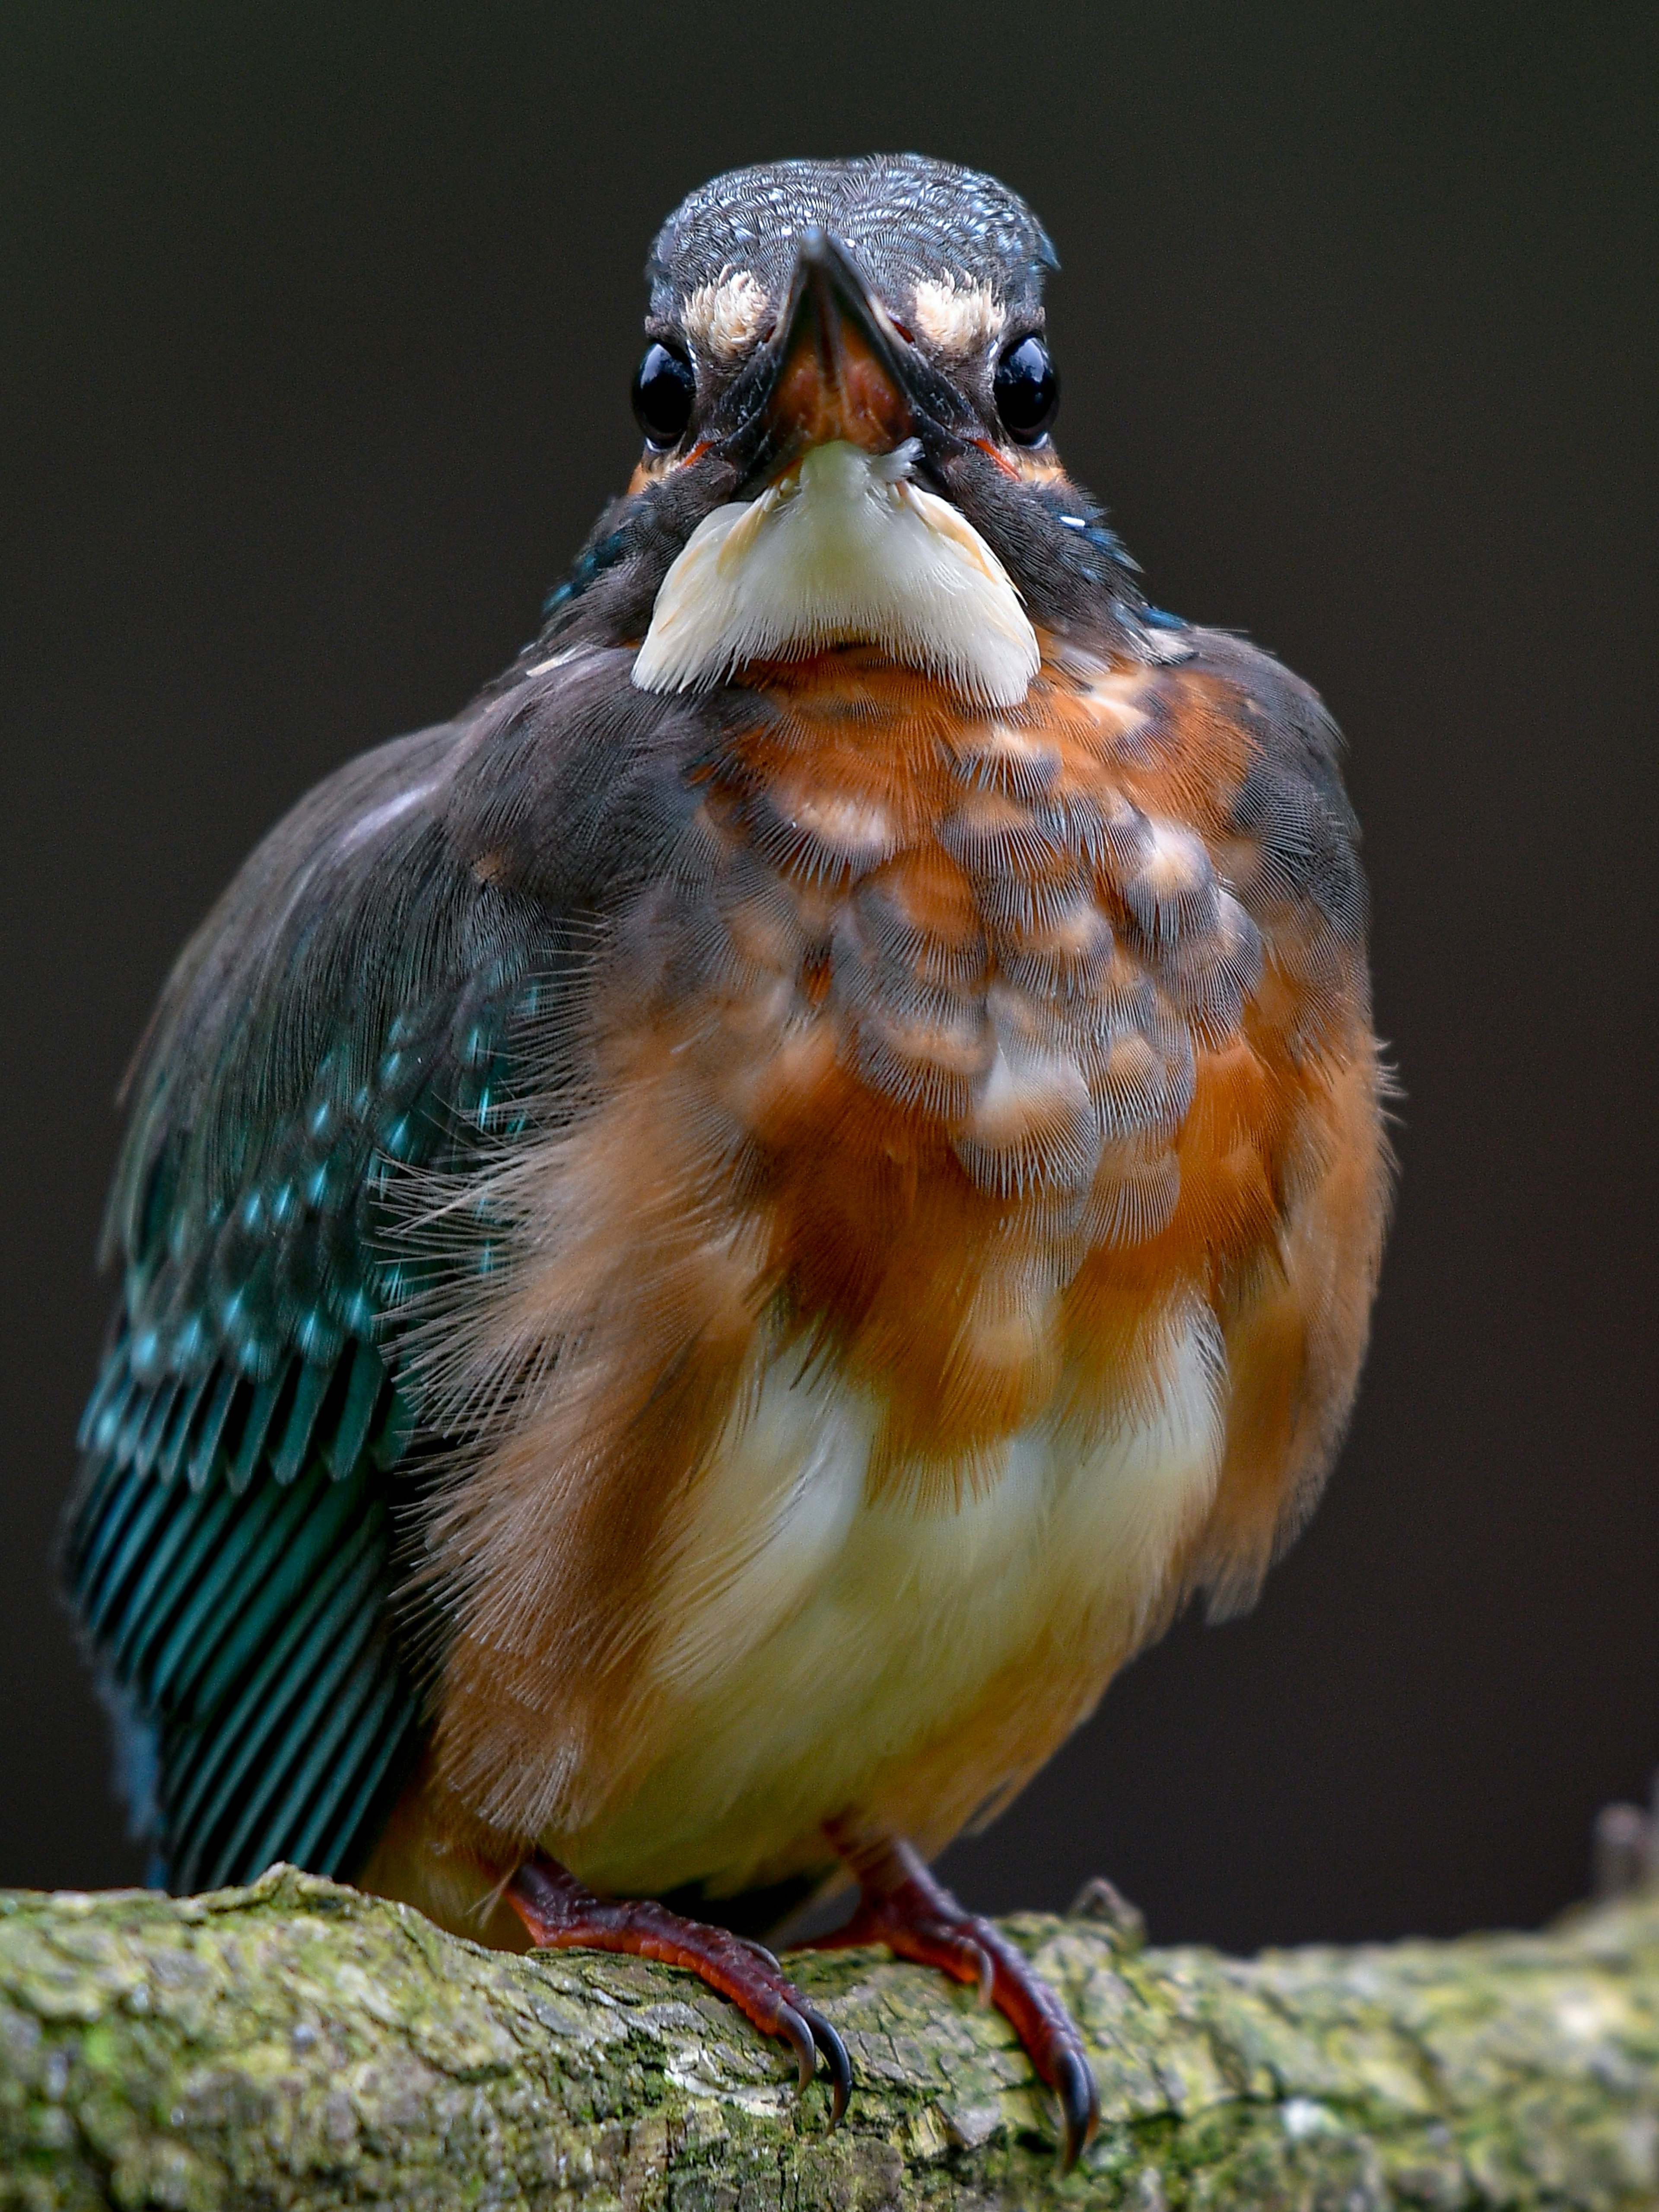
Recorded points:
(839, 366)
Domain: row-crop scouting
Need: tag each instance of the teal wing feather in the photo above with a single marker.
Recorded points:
(348, 1015)
(394, 976)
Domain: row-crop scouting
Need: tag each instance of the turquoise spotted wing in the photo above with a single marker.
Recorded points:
(347, 1016)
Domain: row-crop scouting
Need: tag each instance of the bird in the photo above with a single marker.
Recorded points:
(707, 1247)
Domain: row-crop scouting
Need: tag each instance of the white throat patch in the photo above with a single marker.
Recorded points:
(844, 548)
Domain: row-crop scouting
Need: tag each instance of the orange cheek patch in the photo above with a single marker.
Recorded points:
(1009, 467)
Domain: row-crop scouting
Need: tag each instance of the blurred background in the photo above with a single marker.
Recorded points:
(318, 325)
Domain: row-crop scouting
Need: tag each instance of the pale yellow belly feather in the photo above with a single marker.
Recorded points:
(822, 1635)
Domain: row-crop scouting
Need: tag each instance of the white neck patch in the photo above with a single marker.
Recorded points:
(846, 549)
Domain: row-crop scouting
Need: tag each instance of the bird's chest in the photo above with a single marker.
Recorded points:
(859, 1329)
(937, 984)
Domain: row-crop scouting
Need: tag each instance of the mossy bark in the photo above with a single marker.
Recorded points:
(298, 2045)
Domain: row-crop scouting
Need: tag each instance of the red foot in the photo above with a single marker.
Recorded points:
(916, 1917)
(562, 1915)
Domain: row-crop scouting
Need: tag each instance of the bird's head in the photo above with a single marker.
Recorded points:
(847, 397)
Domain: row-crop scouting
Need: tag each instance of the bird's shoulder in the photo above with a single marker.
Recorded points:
(364, 993)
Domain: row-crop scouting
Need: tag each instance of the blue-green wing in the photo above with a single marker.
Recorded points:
(392, 982)
(349, 1014)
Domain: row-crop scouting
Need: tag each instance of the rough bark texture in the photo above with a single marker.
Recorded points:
(298, 2045)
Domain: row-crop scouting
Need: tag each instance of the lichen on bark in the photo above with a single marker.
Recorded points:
(297, 2044)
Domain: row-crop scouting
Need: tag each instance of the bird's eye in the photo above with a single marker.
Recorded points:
(664, 389)
(1027, 389)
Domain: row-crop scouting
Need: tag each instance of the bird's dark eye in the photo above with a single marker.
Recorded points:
(1027, 389)
(664, 389)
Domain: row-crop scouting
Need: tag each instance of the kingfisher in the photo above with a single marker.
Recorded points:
(707, 1247)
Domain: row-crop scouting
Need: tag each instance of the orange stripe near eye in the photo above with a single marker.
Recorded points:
(1001, 459)
(643, 474)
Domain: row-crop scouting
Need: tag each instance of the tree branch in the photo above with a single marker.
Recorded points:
(298, 2045)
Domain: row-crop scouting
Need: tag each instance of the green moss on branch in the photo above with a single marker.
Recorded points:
(297, 2045)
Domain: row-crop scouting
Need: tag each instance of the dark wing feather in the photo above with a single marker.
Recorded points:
(372, 996)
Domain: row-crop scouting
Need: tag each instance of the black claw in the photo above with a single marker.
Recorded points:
(988, 1978)
(835, 2058)
(797, 2034)
(1079, 2103)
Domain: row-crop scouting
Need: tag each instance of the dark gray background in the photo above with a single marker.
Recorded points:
(317, 333)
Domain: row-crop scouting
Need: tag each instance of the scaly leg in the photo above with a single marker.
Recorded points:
(561, 1914)
(916, 1917)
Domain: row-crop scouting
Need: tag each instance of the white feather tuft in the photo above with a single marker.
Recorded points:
(846, 549)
